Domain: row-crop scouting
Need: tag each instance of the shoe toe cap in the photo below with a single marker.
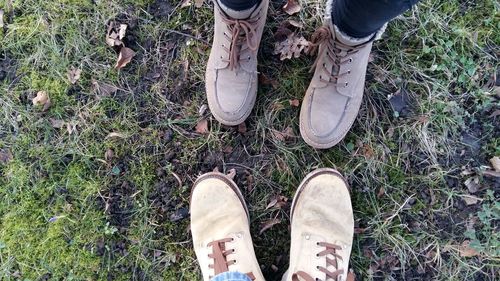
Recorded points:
(232, 96)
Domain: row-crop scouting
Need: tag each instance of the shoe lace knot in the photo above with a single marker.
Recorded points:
(330, 249)
(242, 37)
(220, 257)
(334, 52)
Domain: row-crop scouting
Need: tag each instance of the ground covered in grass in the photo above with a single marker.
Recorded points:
(95, 183)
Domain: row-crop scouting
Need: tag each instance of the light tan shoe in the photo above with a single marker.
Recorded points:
(220, 228)
(322, 228)
(231, 76)
(334, 96)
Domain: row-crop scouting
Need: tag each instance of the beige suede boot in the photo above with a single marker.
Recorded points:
(220, 228)
(322, 229)
(231, 76)
(334, 96)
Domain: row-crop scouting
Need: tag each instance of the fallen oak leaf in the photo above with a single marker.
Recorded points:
(470, 200)
(294, 102)
(268, 224)
(292, 7)
(103, 89)
(472, 184)
(74, 75)
(292, 47)
(198, 3)
(202, 126)
(465, 250)
(42, 99)
(56, 123)
(125, 56)
(495, 163)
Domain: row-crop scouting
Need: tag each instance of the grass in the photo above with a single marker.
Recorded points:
(71, 211)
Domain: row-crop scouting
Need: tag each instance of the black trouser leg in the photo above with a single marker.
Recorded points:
(361, 18)
(239, 5)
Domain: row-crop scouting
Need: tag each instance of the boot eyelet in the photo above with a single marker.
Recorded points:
(346, 84)
(349, 71)
(350, 60)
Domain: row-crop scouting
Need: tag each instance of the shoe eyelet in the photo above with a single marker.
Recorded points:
(346, 84)
(349, 71)
(350, 60)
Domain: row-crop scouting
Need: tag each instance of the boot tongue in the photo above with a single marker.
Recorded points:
(240, 15)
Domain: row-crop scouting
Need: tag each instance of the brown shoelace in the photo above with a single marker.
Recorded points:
(219, 255)
(335, 51)
(242, 31)
(331, 249)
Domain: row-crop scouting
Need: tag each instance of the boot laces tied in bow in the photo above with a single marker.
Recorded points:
(243, 37)
(331, 249)
(219, 255)
(335, 52)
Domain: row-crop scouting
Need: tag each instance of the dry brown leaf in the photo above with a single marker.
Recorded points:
(472, 184)
(351, 276)
(103, 89)
(471, 200)
(285, 135)
(56, 123)
(116, 135)
(292, 7)
(109, 154)
(293, 46)
(5, 156)
(185, 3)
(74, 75)
(202, 126)
(41, 98)
(278, 201)
(294, 102)
(295, 23)
(125, 56)
(1, 18)
(122, 31)
(231, 174)
(265, 80)
(491, 173)
(198, 3)
(466, 250)
(381, 192)
(495, 163)
(116, 32)
(242, 128)
(268, 224)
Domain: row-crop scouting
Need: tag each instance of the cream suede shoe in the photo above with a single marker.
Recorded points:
(334, 96)
(231, 76)
(220, 228)
(322, 228)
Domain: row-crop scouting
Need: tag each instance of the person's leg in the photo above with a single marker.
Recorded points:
(322, 225)
(231, 76)
(239, 5)
(221, 232)
(334, 96)
(361, 18)
(231, 276)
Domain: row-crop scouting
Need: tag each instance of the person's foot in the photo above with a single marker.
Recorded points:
(334, 96)
(322, 229)
(231, 76)
(220, 228)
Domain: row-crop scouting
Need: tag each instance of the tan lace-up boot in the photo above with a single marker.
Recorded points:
(220, 228)
(231, 76)
(322, 229)
(334, 96)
